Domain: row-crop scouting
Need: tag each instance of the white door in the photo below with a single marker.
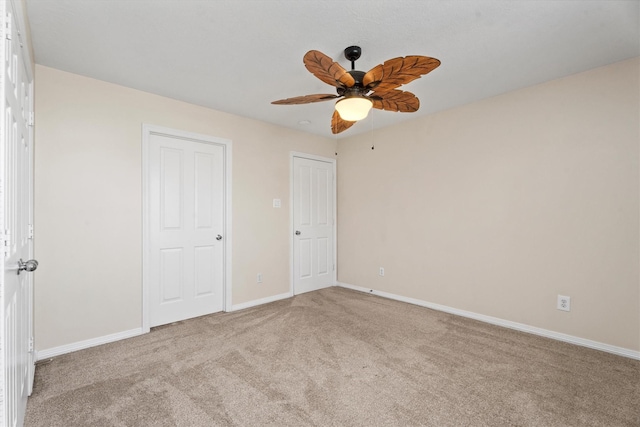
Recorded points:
(313, 224)
(186, 227)
(15, 221)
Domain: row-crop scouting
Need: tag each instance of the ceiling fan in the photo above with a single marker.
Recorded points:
(361, 91)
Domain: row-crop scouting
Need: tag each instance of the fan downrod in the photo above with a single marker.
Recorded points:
(352, 53)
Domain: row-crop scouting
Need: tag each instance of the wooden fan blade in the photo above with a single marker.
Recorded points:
(398, 71)
(323, 67)
(338, 125)
(306, 99)
(395, 100)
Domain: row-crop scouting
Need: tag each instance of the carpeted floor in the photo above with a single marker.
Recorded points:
(336, 357)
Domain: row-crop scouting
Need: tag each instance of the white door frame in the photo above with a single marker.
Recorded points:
(147, 131)
(32, 178)
(292, 155)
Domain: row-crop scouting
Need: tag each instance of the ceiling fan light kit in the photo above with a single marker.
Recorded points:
(354, 108)
(362, 91)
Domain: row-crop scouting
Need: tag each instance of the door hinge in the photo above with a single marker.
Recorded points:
(7, 28)
(31, 346)
(6, 239)
(30, 231)
(32, 119)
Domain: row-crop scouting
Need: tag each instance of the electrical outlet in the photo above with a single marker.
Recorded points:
(381, 273)
(564, 303)
(259, 277)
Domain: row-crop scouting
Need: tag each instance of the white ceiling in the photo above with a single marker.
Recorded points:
(239, 55)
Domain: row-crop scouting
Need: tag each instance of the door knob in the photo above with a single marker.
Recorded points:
(30, 265)
(298, 232)
(218, 237)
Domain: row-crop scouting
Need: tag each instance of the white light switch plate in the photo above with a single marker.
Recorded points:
(277, 203)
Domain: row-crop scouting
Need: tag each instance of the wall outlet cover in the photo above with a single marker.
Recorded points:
(564, 303)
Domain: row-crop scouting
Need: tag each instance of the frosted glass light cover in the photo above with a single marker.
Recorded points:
(353, 109)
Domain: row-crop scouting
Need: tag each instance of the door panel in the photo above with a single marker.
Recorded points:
(303, 205)
(172, 186)
(313, 218)
(205, 190)
(322, 197)
(171, 275)
(304, 258)
(204, 270)
(323, 256)
(186, 198)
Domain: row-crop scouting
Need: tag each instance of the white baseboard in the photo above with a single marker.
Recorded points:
(632, 354)
(260, 301)
(81, 345)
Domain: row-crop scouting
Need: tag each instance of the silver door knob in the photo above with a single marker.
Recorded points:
(298, 232)
(218, 237)
(30, 265)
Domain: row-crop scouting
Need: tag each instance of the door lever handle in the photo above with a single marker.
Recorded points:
(28, 266)
(298, 232)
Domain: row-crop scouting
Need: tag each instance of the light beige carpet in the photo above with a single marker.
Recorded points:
(336, 358)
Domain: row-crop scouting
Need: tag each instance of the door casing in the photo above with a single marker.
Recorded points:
(147, 131)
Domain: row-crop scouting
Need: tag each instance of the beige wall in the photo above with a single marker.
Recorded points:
(499, 206)
(88, 201)
(494, 208)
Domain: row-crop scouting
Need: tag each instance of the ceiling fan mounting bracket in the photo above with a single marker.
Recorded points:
(352, 53)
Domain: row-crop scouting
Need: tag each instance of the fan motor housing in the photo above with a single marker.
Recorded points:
(357, 89)
(357, 76)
